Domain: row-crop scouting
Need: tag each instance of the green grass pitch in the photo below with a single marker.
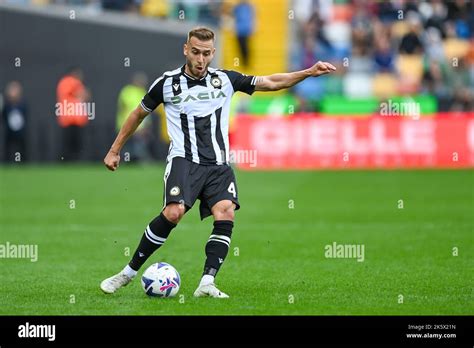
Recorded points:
(276, 264)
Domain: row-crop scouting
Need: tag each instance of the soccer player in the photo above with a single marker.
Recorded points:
(196, 99)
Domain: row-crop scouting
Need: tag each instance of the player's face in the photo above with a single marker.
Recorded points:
(199, 55)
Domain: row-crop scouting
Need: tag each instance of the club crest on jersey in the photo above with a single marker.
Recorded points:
(177, 99)
(216, 82)
(175, 191)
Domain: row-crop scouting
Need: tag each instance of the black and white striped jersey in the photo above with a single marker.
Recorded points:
(197, 111)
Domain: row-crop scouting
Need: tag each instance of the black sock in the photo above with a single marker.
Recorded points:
(155, 236)
(217, 246)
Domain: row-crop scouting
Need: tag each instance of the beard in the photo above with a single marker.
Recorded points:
(194, 71)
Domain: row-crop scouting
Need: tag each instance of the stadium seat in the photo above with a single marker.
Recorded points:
(399, 29)
(455, 48)
(384, 85)
(357, 85)
(410, 66)
(153, 8)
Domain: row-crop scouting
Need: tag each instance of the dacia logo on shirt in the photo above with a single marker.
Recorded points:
(177, 99)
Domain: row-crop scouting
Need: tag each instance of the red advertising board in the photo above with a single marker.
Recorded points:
(309, 142)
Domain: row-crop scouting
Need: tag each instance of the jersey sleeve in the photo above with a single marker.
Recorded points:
(154, 97)
(241, 82)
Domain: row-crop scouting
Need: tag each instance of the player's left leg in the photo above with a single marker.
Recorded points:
(217, 248)
(219, 198)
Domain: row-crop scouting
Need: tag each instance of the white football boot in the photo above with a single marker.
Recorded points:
(209, 290)
(112, 284)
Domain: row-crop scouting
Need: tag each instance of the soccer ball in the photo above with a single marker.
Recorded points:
(161, 280)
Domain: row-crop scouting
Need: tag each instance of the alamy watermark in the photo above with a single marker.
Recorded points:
(405, 109)
(19, 251)
(243, 157)
(37, 331)
(66, 108)
(345, 251)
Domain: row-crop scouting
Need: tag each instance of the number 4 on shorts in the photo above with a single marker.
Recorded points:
(231, 189)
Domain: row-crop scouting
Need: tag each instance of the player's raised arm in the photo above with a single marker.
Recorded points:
(136, 117)
(276, 82)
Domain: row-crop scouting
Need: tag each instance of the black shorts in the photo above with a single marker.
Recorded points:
(186, 181)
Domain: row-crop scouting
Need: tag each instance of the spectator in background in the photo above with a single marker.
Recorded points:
(313, 29)
(72, 117)
(432, 32)
(461, 82)
(383, 55)
(433, 44)
(458, 8)
(435, 83)
(308, 53)
(434, 13)
(461, 16)
(386, 11)
(310, 90)
(314, 46)
(381, 48)
(411, 42)
(244, 16)
(129, 97)
(14, 116)
(410, 5)
(361, 37)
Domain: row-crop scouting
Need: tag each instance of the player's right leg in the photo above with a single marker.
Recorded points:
(176, 181)
(153, 238)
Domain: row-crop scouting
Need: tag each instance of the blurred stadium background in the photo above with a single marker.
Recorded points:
(401, 100)
(418, 54)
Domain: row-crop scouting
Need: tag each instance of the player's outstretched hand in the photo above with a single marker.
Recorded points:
(322, 68)
(112, 160)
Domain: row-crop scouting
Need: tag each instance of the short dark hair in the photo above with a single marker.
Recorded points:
(202, 33)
